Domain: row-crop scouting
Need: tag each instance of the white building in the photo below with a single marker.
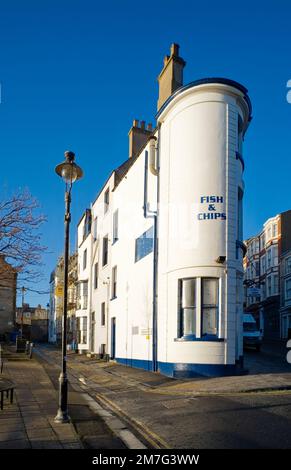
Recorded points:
(160, 250)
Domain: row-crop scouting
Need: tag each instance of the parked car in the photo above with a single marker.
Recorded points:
(252, 335)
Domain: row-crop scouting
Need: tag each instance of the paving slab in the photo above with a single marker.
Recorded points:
(28, 422)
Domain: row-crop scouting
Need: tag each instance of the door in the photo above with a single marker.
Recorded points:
(92, 332)
(113, 337)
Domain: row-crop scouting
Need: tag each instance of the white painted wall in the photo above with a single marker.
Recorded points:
(198, 140)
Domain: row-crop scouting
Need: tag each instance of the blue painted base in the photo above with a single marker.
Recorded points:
(137, 363)
(182, 370)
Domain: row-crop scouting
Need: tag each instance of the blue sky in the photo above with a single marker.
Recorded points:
(75, 74)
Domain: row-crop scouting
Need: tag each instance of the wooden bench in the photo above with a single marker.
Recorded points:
(6, 387)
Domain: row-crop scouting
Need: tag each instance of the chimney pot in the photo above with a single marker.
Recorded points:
(149, 126)
(175, 49)
(135, 123)
(142, 125)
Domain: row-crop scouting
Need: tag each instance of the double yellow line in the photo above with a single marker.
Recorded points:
(148, 436)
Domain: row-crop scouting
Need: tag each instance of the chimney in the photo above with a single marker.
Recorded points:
(171, 77)
(138, 136)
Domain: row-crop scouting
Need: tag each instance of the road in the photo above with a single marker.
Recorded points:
(257, 420)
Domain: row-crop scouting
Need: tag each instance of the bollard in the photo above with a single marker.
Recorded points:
(30, 350)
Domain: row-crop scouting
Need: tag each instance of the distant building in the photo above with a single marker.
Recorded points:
(30, 314)
(8, 284)
(266, 272)
(33, 321)
(56, 301)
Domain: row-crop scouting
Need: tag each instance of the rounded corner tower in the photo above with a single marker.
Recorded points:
(200, 250)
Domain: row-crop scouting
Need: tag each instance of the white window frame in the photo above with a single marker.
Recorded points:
(199, 308)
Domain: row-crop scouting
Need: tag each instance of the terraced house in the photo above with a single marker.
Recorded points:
(160, 250)
(267, 276)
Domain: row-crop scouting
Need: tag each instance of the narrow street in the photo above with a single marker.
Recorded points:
(165, 418)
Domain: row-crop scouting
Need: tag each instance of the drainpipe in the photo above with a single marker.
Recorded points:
(151, 162)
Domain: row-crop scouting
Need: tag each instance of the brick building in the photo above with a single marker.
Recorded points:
(8, 281)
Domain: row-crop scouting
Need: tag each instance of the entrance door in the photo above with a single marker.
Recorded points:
(113, 337)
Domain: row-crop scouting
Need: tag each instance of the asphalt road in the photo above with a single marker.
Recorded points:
(208, 422)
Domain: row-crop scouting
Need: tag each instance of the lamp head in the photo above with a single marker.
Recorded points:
(68, 170)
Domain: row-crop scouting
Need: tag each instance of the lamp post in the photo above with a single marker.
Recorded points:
(69, 172)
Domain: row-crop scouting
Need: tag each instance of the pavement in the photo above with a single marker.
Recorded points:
(29, 421)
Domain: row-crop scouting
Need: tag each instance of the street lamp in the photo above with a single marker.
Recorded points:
(69, 172)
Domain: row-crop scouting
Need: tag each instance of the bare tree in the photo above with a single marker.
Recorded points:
(20, 237)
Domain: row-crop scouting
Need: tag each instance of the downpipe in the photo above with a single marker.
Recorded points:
(151, 163)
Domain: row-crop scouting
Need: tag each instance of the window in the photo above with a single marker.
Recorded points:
(187, 304)
(114, 282)
(257, 268)
(103, 314)
(269, 233)
(288, 265)
(95, 275)
(263, 264)
(78, 330)
(263, 241)
(78, 295)
(198, 307)
(275, 255)
(84, 330)
(276, 284)
(85, 259)
(269, 286)
(87, 223)
(105, 251)
(263, 290)
(85, 295)
(106, 201)
(239, 134)
(144, 244)
(115, 226)
(275, 230)
(239, 235)
(95, 225)
(288, 289)
(209, 306)
(269, 258)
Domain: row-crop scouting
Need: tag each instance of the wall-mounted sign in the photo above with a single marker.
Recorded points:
(59, 291)
(253, 292)
(212, 208)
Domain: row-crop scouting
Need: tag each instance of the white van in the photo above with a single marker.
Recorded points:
(252, 335)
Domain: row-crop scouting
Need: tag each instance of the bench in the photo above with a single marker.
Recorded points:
(6, 388)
